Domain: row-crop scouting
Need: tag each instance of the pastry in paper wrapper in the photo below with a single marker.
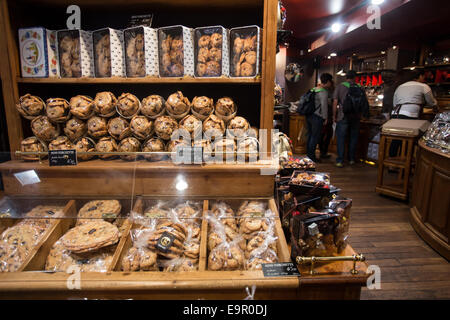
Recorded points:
(213, 127)
(43, 129)
(119, 128)
(192, 125)
(202, 107)
(106, 144)
(165, 126)
(129, 144)
(105, 104)
(75, 129)
(32, 144)
(60, 143)
(238, 127)
(85, 145)
(154, 145)
(153, 106)
(82, 106)
(58, 109)
(97, 127)
(177, 105)
(141, 127)
(128, 105)
(30, 106)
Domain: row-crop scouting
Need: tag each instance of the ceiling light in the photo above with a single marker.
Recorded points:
(377, 2)
(333, 54)
(383, 52)
(394, 47)
(380, 96)
(309, 50)
(412, 68)
(329, 57)
(336, 27)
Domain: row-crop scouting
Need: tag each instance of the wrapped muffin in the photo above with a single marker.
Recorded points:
(225, 108)
(105, 104)
(225, 148)
(207, 148)
(119, 128)
(97, 127)
(106, 144)
(153, 106)
(58, 109)
(43, 129)
(154, 145)
(192, 125)
(60, 143)
(202, 107)
(75, 129)
(247, 149)
(32, 144)
(177, 105)
(213, 127)
(30, 106)
(129, 144)
(238, 127)
(173, 145)
(141, 127)
(165, 126)
(85, 144)
(128, 105)
(82, 106)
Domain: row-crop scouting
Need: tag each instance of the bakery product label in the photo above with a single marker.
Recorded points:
(282, 269)
(165, 242)
(62, 157)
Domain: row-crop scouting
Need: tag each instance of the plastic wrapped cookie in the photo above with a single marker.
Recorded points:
(119, 128)
(30, 106)
(153, 106)
(177, 105)
(141, 127)
(60, 143)
(105, 104)
(154, 145)
(75, 128)
(57, 109)
(214, 127)
(43, 129)
(85, 144)
(192, 125)
(97, 127)
(129, 144)
(225, 108)
(32, 144)
(202, 107)
(238, 127)
(82, 106)
(106, 144)
(174, 144)
(165, 126)
(128, 105)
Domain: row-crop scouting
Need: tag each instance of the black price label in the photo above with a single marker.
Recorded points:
(141, 20)
(62, 158)
(165, 242)
(282, 269)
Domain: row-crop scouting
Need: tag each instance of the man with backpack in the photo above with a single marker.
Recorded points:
(349, 103)
(314, 105)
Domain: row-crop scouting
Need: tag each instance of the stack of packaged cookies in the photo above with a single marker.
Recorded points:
(91, 243)
(17, 242)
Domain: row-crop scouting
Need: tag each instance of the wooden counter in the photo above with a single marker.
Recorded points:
(430, 211)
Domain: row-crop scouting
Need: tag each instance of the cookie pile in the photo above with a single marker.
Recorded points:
(102, 56)
(241, 240)
(69, 56)
(171, 56)
(209, 55)
(17, 242)
(135, 54)
(125, 124)
(244, 56)
(91, 243)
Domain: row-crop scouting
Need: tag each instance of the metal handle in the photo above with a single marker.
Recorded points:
(355, 258)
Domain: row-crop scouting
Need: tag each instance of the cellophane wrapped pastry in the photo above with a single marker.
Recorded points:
(30, 106)
(174, 50)
(60, 143)
(97, 127)
(245, 51)
(84, 144)
(227, 256)
(105, 104)
(213, 127)
(82, 107)
(211, 52)
(165, 126)
(225, 109)
(141, 127)
(129, 144)
(43, 129)
(69, 54)
(192, 125)
(202, 107)
(173, 145)
(128, 105)
(135, 52)
(177, 105)
(106, 144)
(32, 144)
(57, 110)
(247, 149)
(75, 129)
(238, 127)
(225, 148)
(119, 128)
(154, 145)
(153, 106)
(140, 257)
(108, 53)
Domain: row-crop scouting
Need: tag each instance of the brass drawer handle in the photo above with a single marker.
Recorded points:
(355, 258)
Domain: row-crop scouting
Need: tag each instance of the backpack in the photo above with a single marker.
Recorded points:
(307, 103)
(355, 101)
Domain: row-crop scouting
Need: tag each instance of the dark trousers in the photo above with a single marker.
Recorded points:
(325, 138)
(397, 144)
(315, 124)
(342, 127)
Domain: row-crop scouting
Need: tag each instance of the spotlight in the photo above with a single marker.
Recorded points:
(333, 54)
(394, 47)
(377, 2)
(336, 27)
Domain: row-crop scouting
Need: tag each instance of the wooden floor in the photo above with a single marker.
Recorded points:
(380, 229)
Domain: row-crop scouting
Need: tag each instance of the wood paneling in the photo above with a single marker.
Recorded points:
(297, 132)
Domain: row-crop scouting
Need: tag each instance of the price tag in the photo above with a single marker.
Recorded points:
(62, 158)
(165, 242)
(282, 269)
(141, 20)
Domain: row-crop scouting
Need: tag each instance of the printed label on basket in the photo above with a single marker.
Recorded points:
(282, 269)
(165, 242)
(62, 158)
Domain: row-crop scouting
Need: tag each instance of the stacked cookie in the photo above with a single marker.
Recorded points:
(18, 241)
(91, 244)
(108, 124)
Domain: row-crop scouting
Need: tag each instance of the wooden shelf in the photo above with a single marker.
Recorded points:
(138, 80)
